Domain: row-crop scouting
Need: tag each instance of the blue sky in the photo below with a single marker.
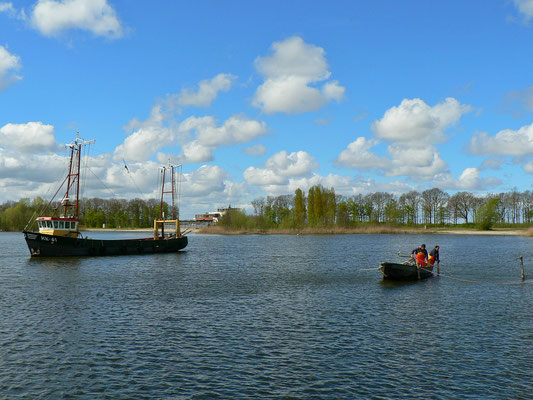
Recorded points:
(258, 98)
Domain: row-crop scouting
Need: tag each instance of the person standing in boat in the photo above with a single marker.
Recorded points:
(434, 255)
(420, 255)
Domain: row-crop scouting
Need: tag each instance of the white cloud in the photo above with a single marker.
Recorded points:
(198, 136)
(8, 63)
(333, 91)
(30, 137)
(525, 7)
(195, 152)
(29, 167)
(528, 167)
(414, 120)
(52, 17)
(468, 180)
(295, 164)
(148, 137)
(411, 130)
(209, 136)
(357, 155)
(420, 163)
(506, 142)
(256, 150)
(207, 91)
(280, 167)
(205, 180)
(289, 74)
(417, 163)
(263, 176)
(344, 185)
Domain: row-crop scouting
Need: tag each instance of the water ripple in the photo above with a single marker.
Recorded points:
(293, 317)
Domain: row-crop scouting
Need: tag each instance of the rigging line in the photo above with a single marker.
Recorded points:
(131, 177)
(103, 184)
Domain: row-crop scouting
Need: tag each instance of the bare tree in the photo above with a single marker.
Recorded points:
(462, 203)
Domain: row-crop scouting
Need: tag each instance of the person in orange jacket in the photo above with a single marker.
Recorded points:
(420, 255)
(434, 255)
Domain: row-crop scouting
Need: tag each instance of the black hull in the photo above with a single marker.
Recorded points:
(404, 272)
(59, 246)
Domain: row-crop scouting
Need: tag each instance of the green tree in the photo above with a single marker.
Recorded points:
(488, 214)
(299, 208)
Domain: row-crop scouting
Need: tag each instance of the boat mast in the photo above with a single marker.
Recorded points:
(172, 190)
(74, 176)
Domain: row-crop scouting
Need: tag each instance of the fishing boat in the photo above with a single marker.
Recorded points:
(405, 271)
(58, 224)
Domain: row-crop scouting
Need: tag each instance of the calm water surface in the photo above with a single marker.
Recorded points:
(268, 317)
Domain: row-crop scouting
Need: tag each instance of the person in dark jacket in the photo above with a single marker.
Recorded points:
(420, 255)
(422, 249)
(434, 255)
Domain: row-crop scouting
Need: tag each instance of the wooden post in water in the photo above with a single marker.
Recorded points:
(522, 267)
(438, 268)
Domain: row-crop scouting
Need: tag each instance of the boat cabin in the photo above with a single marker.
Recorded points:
(58, 226)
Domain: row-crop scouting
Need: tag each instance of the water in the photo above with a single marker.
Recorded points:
(268, 317)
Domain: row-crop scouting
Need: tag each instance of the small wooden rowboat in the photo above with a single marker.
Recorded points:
(404, 272)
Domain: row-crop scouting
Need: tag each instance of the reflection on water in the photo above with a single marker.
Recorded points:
(268, 316)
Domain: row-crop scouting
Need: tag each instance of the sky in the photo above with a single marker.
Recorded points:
(259, 98)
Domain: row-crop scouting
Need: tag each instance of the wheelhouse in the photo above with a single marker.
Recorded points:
(58, 226)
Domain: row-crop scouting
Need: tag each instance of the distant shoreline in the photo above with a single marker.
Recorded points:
(214, 230)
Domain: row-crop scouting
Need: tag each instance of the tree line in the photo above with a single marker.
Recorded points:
(321, 207)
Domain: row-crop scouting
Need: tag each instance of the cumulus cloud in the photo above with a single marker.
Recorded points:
(205, 179)
(411, 130)
(255, 150)
(357, 155)
(292, 76)
(197, 136)
(422, 163)
(468, 180)
(8, 64)
(528, 167)
(29, 167)
(280, 167)
(28, 138)
(208, 136)
(414, 120)
(147, 138)
(507, 142)
(207, 91)
(344, 185)
(525, 7)
(51, 17)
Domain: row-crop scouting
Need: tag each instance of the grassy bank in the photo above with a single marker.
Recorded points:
(373, 229)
